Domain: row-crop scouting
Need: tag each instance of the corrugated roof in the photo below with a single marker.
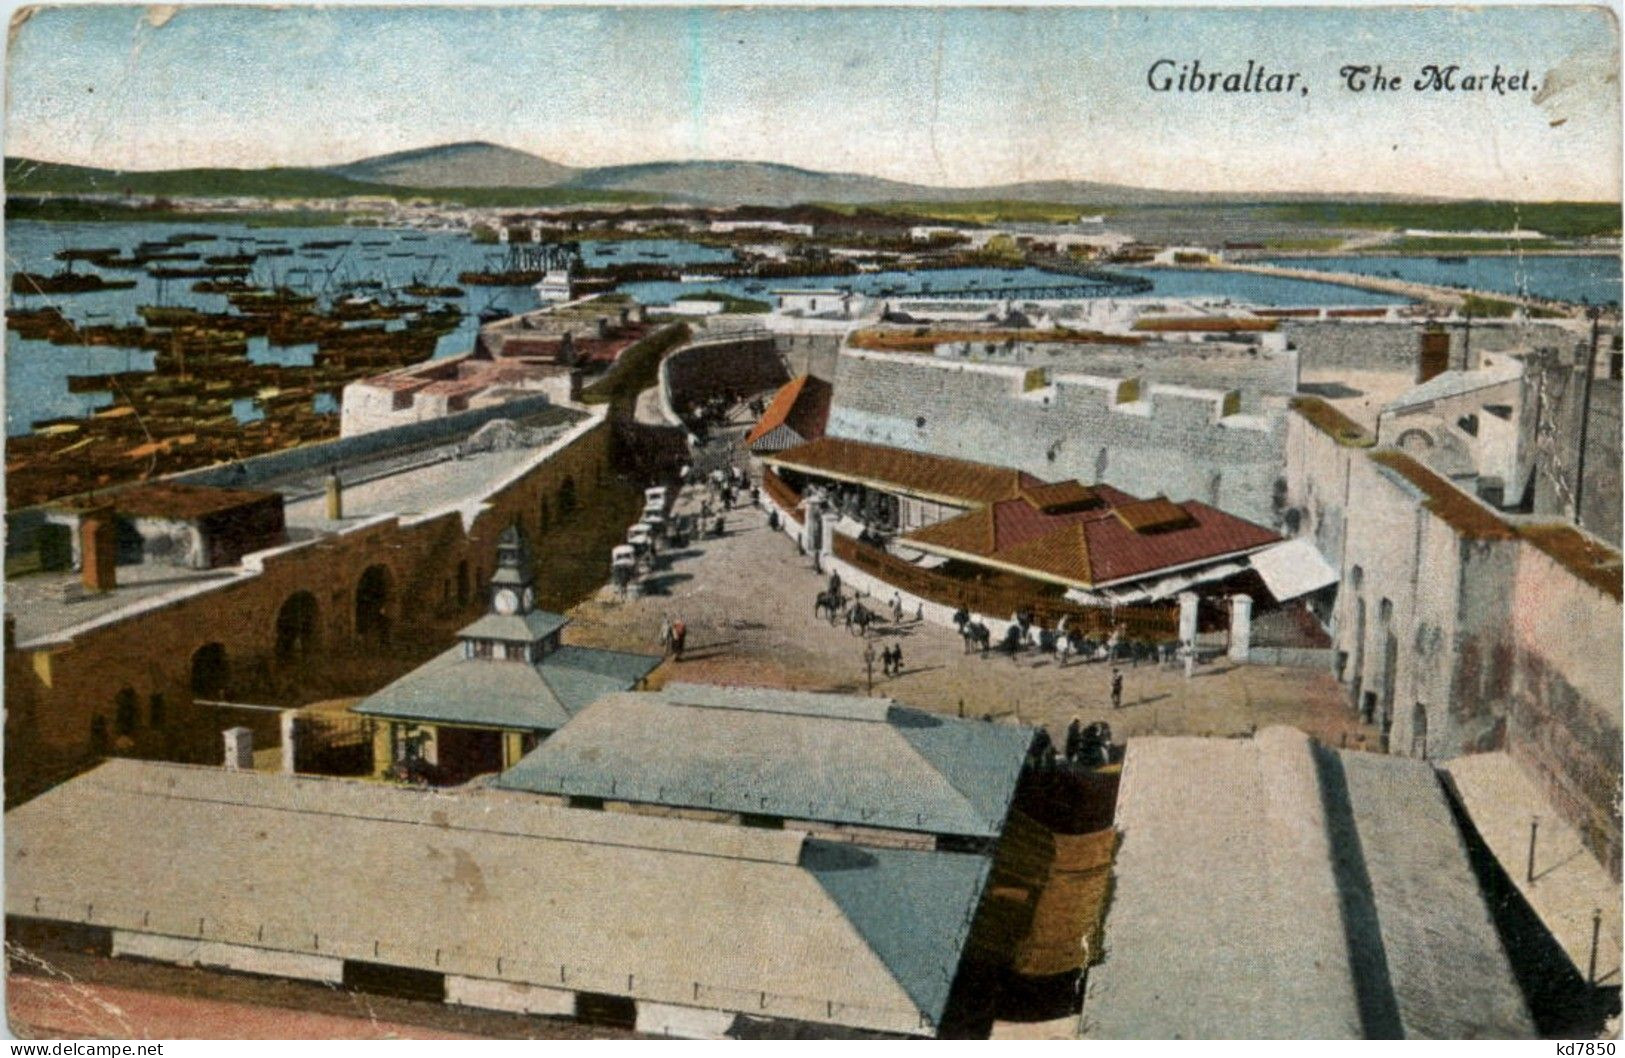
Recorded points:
(486, 692)
(498, 886)
(956, 481)
(824, 758)
(1270, 888)
(802, 404)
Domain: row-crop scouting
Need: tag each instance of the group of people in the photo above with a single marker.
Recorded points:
(1088, 746)
(891, 659)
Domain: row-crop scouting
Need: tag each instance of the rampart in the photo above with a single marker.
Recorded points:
(1180, 441)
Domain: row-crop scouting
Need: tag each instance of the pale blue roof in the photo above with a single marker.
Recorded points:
(484, 692)
(820, 757)
(913, 908)
(515, 627)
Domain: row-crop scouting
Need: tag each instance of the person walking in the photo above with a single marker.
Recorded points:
(897, 659)
(665, 634)
(1074, 739)
(679, 634)
(1117, 688)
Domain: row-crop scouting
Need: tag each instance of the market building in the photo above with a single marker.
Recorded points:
(506, 685)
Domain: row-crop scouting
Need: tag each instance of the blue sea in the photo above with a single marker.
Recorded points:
(1588, 278)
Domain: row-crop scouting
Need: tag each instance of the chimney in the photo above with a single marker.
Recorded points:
(239, 749)
(98, 549)
(1434, 354)
(335, 496)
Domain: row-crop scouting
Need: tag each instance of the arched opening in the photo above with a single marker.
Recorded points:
(296, 628)
(124, 707)
(372, 605)
(1419, 731)
(462, 583)
(209, 672)
(567, 498)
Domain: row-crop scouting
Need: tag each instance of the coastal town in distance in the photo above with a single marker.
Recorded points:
(691, 552)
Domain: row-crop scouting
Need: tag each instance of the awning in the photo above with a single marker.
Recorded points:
(1293, 568)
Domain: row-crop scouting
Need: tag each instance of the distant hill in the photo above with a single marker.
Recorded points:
(471, 164)
(25, 176)
(757, 183)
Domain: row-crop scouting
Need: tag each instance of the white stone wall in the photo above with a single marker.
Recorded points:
(1178, 441)
(182, 951)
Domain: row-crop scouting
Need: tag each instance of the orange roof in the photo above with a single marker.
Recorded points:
(1091, 546)
(1154, 515)
(801, 404)
(956, 481)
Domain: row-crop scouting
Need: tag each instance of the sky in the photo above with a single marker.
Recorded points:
(945, 96)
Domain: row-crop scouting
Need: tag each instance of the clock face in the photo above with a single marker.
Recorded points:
(505, 602)
(530, 598)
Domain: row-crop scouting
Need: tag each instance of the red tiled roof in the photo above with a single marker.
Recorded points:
(801, 404)
(1091, 546)
(957, 481)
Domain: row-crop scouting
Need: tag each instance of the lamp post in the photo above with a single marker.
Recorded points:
(869, 665)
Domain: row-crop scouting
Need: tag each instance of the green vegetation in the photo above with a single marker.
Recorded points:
(635, 369)
(25, 177)
(987, 211)
(1462, 246)
(1498, 308)
(1312, 244)
(730, 303)
(82, 210)
(1564, 220)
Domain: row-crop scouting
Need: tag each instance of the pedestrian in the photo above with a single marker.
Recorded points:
(679, 634)
(1117, 688)
(897, 659)
(665, 634)
(896, 608)
(1074, 739)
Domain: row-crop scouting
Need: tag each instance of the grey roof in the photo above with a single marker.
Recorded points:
(672, 911)
(480, 692)
(823, 757)
(1455, 383)
(1274, 888)
(522, 628)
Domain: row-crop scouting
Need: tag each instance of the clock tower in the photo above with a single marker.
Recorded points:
(513, 588)
(513, 629)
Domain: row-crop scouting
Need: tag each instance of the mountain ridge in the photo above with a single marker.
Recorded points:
(491, 174)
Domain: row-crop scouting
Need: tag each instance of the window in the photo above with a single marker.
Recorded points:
(124, 712)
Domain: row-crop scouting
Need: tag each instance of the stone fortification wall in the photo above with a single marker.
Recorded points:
(809, 354)
(1183, 442)
(705, 369)
(1250, 368)
(1384, 346)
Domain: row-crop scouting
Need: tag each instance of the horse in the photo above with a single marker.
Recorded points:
(830, 603)
(1012, 641)
(860, 617)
